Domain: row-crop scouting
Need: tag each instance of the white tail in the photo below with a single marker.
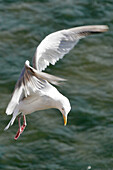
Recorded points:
(10, 123)
(15, 114)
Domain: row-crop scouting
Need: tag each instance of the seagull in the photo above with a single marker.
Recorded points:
(35, 89)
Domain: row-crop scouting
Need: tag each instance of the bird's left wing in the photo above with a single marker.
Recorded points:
(59, 43)
(27, 84)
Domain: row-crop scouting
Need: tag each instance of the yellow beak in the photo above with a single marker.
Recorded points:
(65, 120)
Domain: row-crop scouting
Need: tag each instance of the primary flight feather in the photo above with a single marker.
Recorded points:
(34, 90)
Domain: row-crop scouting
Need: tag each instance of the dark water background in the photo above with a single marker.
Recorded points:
(87, 141)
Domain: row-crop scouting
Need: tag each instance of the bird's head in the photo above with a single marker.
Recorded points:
(64, 108)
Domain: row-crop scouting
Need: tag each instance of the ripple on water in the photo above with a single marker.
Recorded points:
(46, 144)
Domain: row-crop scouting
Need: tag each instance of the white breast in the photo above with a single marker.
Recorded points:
(47, 99)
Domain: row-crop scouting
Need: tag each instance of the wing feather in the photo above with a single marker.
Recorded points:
(59, 43)
(27, 84)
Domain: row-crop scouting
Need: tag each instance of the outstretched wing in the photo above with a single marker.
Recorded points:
(59, 43)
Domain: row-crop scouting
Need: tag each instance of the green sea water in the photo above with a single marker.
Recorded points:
(87, 140)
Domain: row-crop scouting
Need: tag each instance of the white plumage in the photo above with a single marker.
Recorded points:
(33, 90)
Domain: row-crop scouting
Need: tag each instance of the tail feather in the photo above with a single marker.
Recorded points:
(10, 108)
(10, 123)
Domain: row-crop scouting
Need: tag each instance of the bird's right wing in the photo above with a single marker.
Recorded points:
(59, 43)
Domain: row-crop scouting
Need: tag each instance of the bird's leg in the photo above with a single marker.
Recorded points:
(19, 130)
(24, 124)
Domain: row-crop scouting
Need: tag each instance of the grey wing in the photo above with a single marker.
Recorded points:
(59, 43)
(27, 84)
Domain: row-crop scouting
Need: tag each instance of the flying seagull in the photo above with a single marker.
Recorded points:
(34, 90)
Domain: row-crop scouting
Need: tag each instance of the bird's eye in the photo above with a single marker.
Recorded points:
(62, 108)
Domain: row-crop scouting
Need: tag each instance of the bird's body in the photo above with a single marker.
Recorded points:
(48, 98)
(34, 90)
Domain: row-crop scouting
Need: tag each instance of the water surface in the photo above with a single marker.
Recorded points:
(87, 140)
